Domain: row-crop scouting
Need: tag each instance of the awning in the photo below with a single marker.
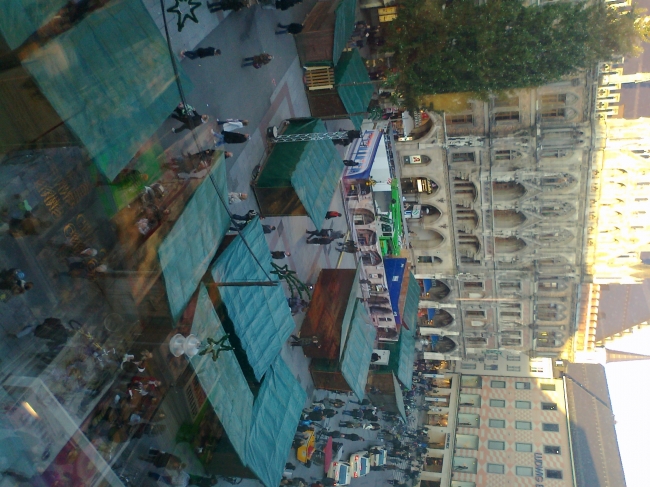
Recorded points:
(399, 398)
(358, 351)
(327, 451)
(394, 269)
(410, 316)
(427, 284)
(431, 312)
(276, 413)
(223, 381)
(408, 124)
(406, 358)
(187, 250)
(349, 310)
(344, 26)
(353, 83)
(260, 314)
(312, 168)
(109, 77)
(21, 18)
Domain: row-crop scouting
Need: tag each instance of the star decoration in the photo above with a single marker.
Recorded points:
(184, 15)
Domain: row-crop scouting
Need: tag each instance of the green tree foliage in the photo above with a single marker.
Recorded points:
(501, 44)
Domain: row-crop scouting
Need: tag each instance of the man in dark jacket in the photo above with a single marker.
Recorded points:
(235, 137)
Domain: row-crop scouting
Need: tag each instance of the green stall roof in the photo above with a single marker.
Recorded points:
(260, 314)
(313, 168)
(410, 314)
(21, 18)
(399, 398)
(276, 413)
(355, 97)
(406, 358)
(358, 351)
(345, 14)
(349, 311)
(187, 250)
(223, 381)
(110, 79)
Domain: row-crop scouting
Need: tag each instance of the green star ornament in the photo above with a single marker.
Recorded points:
(184, 15)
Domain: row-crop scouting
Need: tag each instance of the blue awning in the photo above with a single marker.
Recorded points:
(349, 311)
(410, 317)
(187, 250)
(276, 413)
(434, 340)
(108, 77)
(358, 351)
(431, 312)
(223, 381)
(427, 284)
(399, 398)
(394, 275)
(406, 358)
(260, 314)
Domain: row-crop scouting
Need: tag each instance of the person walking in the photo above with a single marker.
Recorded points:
(237, 197)
(332, 214)
(232, 124)
(200, 53)
(279, 254)
(189, 117)
(257, 61)
(304, 341)
(320, 240)
(161, 459)
(350, 424)
(268, 228)
(246, 218)
(233, 5)
(292, 28)
(363, 402)
(231, 137)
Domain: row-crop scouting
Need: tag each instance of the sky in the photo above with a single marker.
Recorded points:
(629, 390)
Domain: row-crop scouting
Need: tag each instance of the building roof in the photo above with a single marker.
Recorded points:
(622, 306)
(312, 168)
(276, 413)
(110, 78)
(406, 358)
(349, 310)
(355, 97)
(21, 18)
(223, 381)
(188, 248)
(411, 303)
(358, 351)
(593, 435)
(399, 398)
(346, 12)
(260, 314)
(618, 356)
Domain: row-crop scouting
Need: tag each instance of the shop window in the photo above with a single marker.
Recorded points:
(459, 119)
(497, 423)
(497, 403)
(551, 450)
(553, 474)
(418, 185)
(522, 385)
(522, 404)
(496, 445)
(462, 157)
(498, 384)
(524, 447)
(552, 427)
(524, 471)
(495, 468)
(549, 406)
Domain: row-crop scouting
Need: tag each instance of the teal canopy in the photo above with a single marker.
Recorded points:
(260, 314)
(358, 351)
(186, 252)
(21, 18)
(344, 26)
(349, 311)
(276, 413)
(399, 398)
(406, 358)
(109, 78)
(223, 381)
(353, 83)
(410, 315)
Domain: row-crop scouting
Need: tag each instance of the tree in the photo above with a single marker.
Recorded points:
(502, 44)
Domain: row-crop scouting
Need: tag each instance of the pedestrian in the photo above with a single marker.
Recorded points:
(351, 163)
(200, 53)
(305, 341)
(292, 28)
(232, 124)
(161, 459)
(14, 280)
(268, 228)
(279, 254)
(233, 137)
(332, 214)
(237, 197)
(234, 5)
(286, 4)
(245, 218)
(320, 240)
(350, 424)
(348, 246)
(189, 117)
(257, 61)
(372, 426)
(237, 226)
(363, 402)
(336, 403)
(355, 413)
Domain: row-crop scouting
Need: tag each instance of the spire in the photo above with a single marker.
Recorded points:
(616, 356)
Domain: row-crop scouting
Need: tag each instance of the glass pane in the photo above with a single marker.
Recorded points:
(524, 447)
(524, 471)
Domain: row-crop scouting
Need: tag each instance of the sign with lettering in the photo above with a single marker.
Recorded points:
(363, 151)
(539, 469)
